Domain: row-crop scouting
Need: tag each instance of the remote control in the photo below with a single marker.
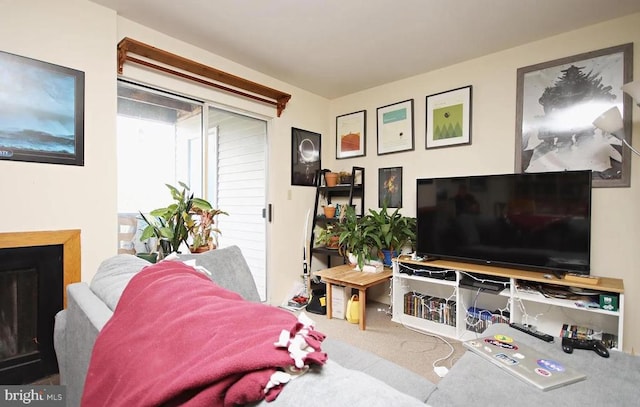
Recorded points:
(528, 329)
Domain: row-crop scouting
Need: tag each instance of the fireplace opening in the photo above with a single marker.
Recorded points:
(31, 293)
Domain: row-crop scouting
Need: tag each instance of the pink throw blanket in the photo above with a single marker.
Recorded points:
(177, 338)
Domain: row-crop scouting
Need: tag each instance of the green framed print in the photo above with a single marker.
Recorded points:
(448, 117)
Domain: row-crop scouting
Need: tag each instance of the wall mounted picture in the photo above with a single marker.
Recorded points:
(351, 135)
(557, 102)
(448, 118)
(390, 187)
(41, 111)
(395, 127)
(305, 157)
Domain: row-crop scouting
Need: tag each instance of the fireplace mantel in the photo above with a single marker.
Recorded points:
(69, 239)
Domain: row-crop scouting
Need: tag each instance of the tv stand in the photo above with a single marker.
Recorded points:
(423, 300)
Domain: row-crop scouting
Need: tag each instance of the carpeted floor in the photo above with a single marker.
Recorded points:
(408, 348)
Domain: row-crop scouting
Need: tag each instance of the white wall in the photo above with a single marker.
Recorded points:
(35, 197)
(616, 217)
(84, 36)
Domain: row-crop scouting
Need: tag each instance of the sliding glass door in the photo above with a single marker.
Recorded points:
(163, 139)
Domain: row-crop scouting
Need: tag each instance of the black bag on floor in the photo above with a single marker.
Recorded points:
(318, 302)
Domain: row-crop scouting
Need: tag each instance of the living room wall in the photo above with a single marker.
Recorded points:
(82, 35)
(616, 218)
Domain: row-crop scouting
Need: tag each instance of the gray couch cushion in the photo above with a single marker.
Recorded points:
(113, 275)
(610, 381)
(334, 385)
(228, 269)
(393, 375)
(227, 266)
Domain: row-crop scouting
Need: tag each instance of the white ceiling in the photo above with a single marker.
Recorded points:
(336, 47)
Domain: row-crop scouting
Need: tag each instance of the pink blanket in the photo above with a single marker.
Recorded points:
(176, 338)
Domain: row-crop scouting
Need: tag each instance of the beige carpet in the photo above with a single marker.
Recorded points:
(413, 350)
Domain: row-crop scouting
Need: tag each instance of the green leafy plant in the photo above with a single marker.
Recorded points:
(174, 223)
(394, 231)
(329, 235)
(358, 236)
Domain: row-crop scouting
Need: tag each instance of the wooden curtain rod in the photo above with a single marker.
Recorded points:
(129, 46)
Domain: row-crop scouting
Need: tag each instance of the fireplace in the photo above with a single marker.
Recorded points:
(35, 268)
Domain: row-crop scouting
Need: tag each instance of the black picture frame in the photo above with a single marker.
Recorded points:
(305, 157)
(390, 187)
(351, 135)
(41, 112)
(556, 104)
(448, 118)
(395, 127)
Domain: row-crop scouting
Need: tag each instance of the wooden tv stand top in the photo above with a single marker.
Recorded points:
(608, 284)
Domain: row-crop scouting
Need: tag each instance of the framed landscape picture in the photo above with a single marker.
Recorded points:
(351, 135)
(556, 104)
(449, 118)
(41, 111)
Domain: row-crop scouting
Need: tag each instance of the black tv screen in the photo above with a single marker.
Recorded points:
(531, 221)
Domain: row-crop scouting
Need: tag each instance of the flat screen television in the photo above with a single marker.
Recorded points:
(531, 221)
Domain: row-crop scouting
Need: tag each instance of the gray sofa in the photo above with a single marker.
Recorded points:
(351, 376)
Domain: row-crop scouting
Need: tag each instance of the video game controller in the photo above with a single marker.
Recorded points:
(569, 344)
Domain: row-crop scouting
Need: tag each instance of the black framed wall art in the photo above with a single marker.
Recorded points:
(351, 134)
(448, 116)
(395, 127)
(557, 102)
(41, 111)
(305, 156)
(390, 187)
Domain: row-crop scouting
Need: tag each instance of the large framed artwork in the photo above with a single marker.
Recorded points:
(41, 111)
(395, 127)
(351, 134)
(557, 102)
(448, 118)
(305, 157)
(390, 187)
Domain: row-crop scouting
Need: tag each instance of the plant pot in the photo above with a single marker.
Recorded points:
(329, 211)
(334, 242)
(388, 255)
(345, 179)
(331, 178)
(199, 249)
(150, 257)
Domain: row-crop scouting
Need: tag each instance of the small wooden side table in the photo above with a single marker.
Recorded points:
(344, 275)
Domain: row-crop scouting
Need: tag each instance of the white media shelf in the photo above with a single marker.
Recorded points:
(449, 316)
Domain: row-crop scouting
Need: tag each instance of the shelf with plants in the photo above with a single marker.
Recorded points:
(338, 197)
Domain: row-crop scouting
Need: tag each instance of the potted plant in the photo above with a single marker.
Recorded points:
(328, 236)
(358, 236)
(173, 224)
(205, 235)
(394, 231)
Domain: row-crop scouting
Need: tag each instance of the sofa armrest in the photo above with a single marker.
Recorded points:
(76, 331)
